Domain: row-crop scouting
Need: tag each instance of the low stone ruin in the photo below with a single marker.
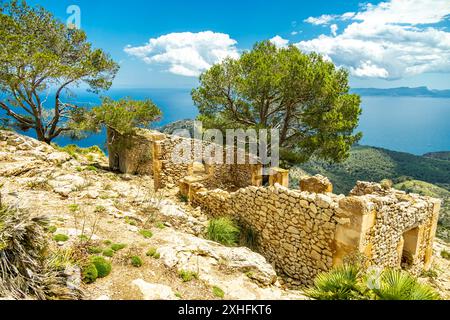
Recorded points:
(301, 232)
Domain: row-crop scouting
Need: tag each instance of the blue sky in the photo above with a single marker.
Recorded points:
(383, 44)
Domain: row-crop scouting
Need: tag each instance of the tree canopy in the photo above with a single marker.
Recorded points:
(41, 57)
(124, 116)
(303, 95)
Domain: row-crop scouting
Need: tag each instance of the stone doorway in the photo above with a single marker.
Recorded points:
(410, 247)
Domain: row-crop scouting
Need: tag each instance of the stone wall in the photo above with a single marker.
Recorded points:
(304, 233)
(151, 153)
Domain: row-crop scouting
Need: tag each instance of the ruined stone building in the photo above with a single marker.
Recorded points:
(300, 231)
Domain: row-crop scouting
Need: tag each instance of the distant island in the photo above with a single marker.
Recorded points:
(403, 92)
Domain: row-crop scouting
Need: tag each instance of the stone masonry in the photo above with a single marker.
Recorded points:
(302, 232)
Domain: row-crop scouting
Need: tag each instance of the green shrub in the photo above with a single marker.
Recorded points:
(152, 252)
(103, 267)
(89, 273)
(136, 261)
(129, 221)
(341, 283)
(445, 254)
(400, 285)
(95, 250)
(118, 246)
(224, 231)
(108, 253)
(183, 198)
(60, 237)
(107, 242)
(218, 292)
(146, 233)
(51, 229)
(187, 276)
(349, 282)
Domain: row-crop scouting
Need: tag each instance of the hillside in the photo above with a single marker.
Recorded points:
(402, 92)
(442, 155)
(375, 164)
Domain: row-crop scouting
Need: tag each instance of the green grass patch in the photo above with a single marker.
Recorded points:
(102, 265)
(445, 254)
(136, 261)
(152, 252)
(89, 273)
(60, 237)
(146, 233)
(118, 246)
(224, 231)
(187, 276)
(219, 293)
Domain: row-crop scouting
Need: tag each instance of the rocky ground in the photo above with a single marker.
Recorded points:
(84, 200)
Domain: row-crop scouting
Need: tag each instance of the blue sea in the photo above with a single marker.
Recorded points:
(409, 124)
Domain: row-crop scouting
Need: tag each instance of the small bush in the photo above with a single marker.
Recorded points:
(95, 250)
(91, 168)
(187, 276)
(445, 254)
(224, 231)
(118, 246)
(152, 252)
(146, 233)
(61, 238)
(129, 221)
(108, 253)
(183, 198)
(136, 261)
(103, 267)
(218, 292)
(89, 273)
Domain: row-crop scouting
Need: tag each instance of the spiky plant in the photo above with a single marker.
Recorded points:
(25, 271)
(341, 283)
(224, 231)
(400, 285)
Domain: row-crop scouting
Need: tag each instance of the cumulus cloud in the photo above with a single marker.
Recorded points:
(323, 19)
(279, 41)
(186, 53)
(390, 40)
(334, 28)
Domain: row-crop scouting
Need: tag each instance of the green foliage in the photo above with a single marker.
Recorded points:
(445, 254)
(219, 293)
(60, 237)
(91, 168)
(136, 261)
(341, 283)
(152, 252)
(304, 95)
(187, 276)
(350, 282)
(118, 246)
(183, 198)
(123, 116)
(224, 231)
(51, 229)
(108, 253)
(107, 242)
(146, 233)
(102, 265)
(160, 225)
(400, 285)
(40, 53)
(89, 273)
(95, 250)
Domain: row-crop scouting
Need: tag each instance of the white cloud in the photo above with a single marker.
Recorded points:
(389, 40)
(334, 28)
(279, 41)
(186, 53)
(322, 20)
(294, 33)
